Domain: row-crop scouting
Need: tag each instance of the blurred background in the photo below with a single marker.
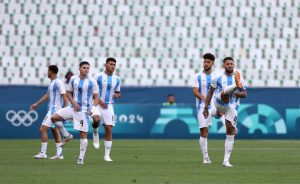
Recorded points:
(158, 45)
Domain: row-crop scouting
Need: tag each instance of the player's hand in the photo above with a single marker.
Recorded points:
(33, 106)
(102, 104)
(76, 107)
(205, 113)
(117, 95)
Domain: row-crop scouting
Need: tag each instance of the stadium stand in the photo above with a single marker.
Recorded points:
(157, 43)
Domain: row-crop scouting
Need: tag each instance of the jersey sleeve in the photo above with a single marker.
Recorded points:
(118, 86)
(95, 87)
(61, 87)
(195, 82)
(96, 77)
(214, 82)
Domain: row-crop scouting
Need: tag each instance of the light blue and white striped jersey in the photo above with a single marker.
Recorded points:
(108, 85)
(223, 80)
(202, 81)
(83, 90)
(55, 90)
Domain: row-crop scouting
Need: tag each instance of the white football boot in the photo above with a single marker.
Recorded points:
(40, 156)
(227, 164)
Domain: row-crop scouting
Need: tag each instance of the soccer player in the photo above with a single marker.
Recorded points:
(231, 87)
(81, 91)
(57, 98)
(201, 85)
(109, 87)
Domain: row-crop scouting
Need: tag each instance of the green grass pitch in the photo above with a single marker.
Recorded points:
(152, 161)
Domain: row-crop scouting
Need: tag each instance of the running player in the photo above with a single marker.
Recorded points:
(57, 98)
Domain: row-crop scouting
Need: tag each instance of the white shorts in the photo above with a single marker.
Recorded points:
(47, 120)
(107, 115)
(80, 119)
(228, 111)
(202, 122)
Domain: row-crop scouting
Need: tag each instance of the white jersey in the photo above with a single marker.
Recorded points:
(83, 90)
(202, 81)
(55, 90)
(223, 80)
(108, 85)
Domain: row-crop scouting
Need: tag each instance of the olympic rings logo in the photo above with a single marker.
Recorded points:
(21, 117)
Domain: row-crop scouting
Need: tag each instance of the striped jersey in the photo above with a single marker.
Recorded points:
(108, 85)
(223, 80)
(83, 90)
(55, 91)
(202, 81)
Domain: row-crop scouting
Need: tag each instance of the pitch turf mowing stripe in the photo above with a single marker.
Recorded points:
(152, 161)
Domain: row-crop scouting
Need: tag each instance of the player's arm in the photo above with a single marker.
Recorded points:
(65, 99)
(96, 99)
(197, 94)
(102, 104)
(195, 86)
(207, 101)
(117, 93)
(73, 102)
(41, 100)
(241, 93)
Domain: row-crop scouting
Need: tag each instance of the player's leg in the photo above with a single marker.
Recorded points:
(81, 120)
(44, 136)
(230, 123)
(203, 126)
(224, 96)
(96, 122)
(58, 118)
(83, 147)
(44, 143)
(203, 144)
(109, 122)
(107, 142)
(58, 143)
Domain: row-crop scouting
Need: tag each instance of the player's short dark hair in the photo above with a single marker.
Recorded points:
(69, 73)
(228, 58)
(83, 63)
(209, 56)
(53, 68)
(110, 59)
(170, 94)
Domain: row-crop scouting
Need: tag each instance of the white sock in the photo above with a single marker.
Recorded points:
(62, 129)
(44, 147)
(228, 147)
(229, 89)
(83, 146)
(58, 149)
(203, 146)
(95, 130)
(107, 145)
